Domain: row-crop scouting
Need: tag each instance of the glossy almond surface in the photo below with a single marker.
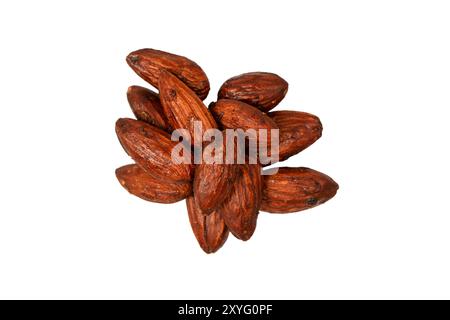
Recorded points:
(146, 106)
(240, 209)
(139, 183)
(148, 63)
(182, 107)
(151, 148)
(296, 189)
(298, 130)
(233, 114)
(210, 230)
(262, 90)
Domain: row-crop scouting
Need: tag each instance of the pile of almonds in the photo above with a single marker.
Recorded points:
(220, 198)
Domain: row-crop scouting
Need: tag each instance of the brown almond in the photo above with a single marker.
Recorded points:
(147, 63)
(210, 230)
(181, 106)
(146, 106)
(213, 181)
(139, 183)
(298, 130)
(212, 184)
(151, 148)
(233, 114)
(262, 90)
(295, 189)
(240, 209)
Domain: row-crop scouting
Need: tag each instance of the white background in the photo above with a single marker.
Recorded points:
(376, 72)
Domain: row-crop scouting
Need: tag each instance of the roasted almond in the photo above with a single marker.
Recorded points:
(260, 89)
(240, 209)
(210, 230)
(181, 106)
(213, 179)
(298, 130)
(148, 63)
(146, 106)
(295, 189)
(151, 148)
(139, 183)
(233, 114)
(212, 184)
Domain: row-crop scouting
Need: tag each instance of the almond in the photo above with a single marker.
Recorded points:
(295, 189)
(298, 130)
(139, 183)
(210, 230)
(213, 181)
(240, 209)
(146, 106)
(147, 63)
(260, 89)
(151, 148)
(181, 106)
(233, 114)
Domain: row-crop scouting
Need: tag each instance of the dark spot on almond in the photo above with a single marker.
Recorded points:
(133, 59)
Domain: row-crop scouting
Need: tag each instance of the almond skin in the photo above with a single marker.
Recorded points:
(181, 106)
(233, 114)
(148, 63)
(139, 183)
(151, 148)
(296, 189)
(146, 106)
(210, 230)
(298, 130)
(213, 181)
(240, 209)
(262, 90)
